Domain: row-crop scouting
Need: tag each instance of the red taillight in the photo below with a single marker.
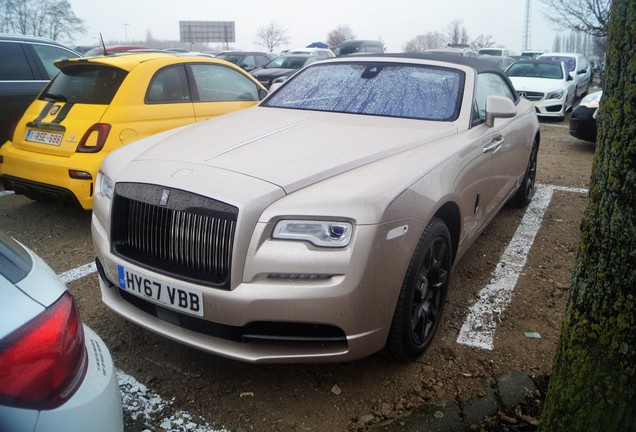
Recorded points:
(94, 138)
(43, 362)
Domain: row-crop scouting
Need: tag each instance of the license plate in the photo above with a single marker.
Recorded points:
(44, 137)
(174, 297)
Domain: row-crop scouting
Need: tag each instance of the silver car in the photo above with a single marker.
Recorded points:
(322, 224)
(56, 374)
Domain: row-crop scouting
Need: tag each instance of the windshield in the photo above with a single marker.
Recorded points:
(87, 84)
(232, 58)
(570, 62)
(287, 62)
(535, 70)
(494, 52)
(372, 88)
(347, 50)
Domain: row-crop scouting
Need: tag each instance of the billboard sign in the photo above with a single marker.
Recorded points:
(207, 31)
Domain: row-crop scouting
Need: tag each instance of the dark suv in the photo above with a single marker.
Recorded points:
(26, 67)
(247, 60)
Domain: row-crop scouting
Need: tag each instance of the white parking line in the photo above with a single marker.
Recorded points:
(77, 273)
(138, 402)
(3, 193)
(554, 125)
(478, 329)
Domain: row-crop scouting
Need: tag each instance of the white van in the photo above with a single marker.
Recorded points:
(579, 67)
(499, 52)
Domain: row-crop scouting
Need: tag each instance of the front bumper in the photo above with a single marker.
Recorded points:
(551, 108)
(265, 318)
(583, 124)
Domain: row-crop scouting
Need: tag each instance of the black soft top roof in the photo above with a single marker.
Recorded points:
(476, 63)
(479, 65)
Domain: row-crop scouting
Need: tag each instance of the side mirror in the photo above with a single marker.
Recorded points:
(262, 93)
(570, 78)
(499, 107)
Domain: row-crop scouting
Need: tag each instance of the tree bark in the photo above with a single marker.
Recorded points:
(593, 383)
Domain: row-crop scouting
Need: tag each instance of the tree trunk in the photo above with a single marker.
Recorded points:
(593, 383)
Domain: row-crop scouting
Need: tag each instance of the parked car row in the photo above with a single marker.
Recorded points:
(553, 81)
(242, 235)
(97, 104)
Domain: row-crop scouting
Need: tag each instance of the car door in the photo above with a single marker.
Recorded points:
(249, 63)
(503, 141)
(167, 104)
(20, 82)
(218, 89)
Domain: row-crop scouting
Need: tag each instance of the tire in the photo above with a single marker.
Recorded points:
(421, 302)
(526, 190)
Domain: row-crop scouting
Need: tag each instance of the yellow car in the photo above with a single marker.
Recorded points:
(95, 105)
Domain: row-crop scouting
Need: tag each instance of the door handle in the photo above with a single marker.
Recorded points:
(494, 144)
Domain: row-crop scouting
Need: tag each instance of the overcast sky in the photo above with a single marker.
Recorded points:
(393, 21)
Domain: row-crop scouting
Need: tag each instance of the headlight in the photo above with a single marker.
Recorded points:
(105, 185)
(555, 94)
(320, 233)
(592, 100)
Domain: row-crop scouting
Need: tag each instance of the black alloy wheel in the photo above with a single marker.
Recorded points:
(526, 190)
(423, 295)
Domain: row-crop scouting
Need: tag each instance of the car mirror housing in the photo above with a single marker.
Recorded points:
(499, 107)
(262, 93)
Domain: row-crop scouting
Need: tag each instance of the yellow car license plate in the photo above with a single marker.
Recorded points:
(44, 137)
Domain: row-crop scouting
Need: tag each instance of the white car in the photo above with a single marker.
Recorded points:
(56, 374)
(546, 83)
(578, 66)
(323, 224)
(319, 52)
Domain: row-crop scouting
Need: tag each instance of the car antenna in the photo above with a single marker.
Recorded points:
(101, 38)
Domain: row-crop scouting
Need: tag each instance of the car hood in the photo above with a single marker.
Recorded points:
(272, 73)
(542, 85)
(292, 148)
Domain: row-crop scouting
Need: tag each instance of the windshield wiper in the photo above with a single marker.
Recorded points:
(55, 96)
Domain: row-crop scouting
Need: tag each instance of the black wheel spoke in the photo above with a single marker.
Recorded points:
(419, 310)
(429, 290)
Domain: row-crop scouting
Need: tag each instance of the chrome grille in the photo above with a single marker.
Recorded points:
(191, 237)
(531, 96)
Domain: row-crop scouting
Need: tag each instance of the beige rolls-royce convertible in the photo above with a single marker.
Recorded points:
(323, 224)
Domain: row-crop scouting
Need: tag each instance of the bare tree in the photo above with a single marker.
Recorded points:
(338, 35)
(54, 19)
(425, 41)
(457, 33)
(482, 41)
(586, 16)
(62, 22)
(271, 35)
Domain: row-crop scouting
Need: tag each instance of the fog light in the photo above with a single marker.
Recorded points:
(80, 175)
